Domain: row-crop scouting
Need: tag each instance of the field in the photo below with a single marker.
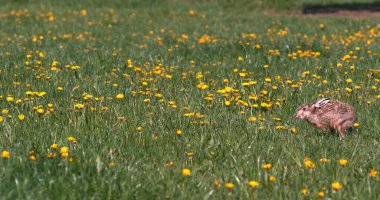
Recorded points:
(183, 100)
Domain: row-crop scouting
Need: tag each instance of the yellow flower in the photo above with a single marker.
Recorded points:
(5, 154)
(356, 125)
(60, 89)
(305, 191)
(308, 163)
(227, 103)
(293, 130)
(186, 172)
(348, 90)
(324, 160)
(54, 146)
(272, 178)
(373, 173)
(1, 118)
(321, 194)
(253, 184)
(120, 96)
(40, 111)
(336, 186)
(79, 106)
(21, 116)
(252, 119)
(343, 162)
(33, 158)
(64, 151)
(139, 129)
(348, 80)
(267, 166)
(229, 185)
(179, 132)
(71, 139)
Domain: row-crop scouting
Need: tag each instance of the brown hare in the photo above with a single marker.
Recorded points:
(328, 114)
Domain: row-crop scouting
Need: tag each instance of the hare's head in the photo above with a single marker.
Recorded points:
(308, 109)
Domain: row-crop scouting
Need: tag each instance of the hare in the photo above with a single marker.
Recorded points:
(328, 114)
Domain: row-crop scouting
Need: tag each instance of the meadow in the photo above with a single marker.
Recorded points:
(183, 100)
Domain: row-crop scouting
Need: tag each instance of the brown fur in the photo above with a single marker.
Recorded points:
(328, 114)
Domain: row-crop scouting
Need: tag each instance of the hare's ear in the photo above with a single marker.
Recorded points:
(321, 102)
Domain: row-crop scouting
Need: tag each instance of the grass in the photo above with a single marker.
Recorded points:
(178, 64)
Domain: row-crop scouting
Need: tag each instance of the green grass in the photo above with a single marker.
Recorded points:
(111, 159)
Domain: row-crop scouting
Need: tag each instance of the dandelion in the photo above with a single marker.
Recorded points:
(40, 111)
(253, 184)
(356, 125)
(64, 151)
(293, 130)
(139, 129)
(227, 103)
(305, 191)
(267, 166)
(120, 96)
(252, 119)
(373, 173)
(321, 194)
(272, 178)
(1, 118)
(179, 132)
(54, 146)
(5, 154)
(32, 158)
(336, 186)
(21, 117)
(308, 163)
(343, 162)
(186, 172)
(324, 160)
(79, 106)
(229, 186)
(72, 139)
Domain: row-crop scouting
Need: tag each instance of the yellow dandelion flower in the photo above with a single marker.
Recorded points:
(227, 103)
(272, 178)
(253, 184)
(79, 106)
(267, 166)
(293, 130)
(229, 186)
(21, 117)
(1, 118)
(305, 191)
(139, 129)
(356, 125)
(120, 96)
(5, 154)
(186, 172)
(179, 132)
(373, 173)
(40, 111)
(324, 160)
(336, 186)
(54, 146)
(252, 119)
(321, 194)
(343, 162)
(71, 139)
(33, 158)
(308, 163)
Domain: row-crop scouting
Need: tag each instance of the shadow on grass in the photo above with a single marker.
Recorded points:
(334, 8)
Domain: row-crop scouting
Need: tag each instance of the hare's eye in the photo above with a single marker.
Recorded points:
(303, 108)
